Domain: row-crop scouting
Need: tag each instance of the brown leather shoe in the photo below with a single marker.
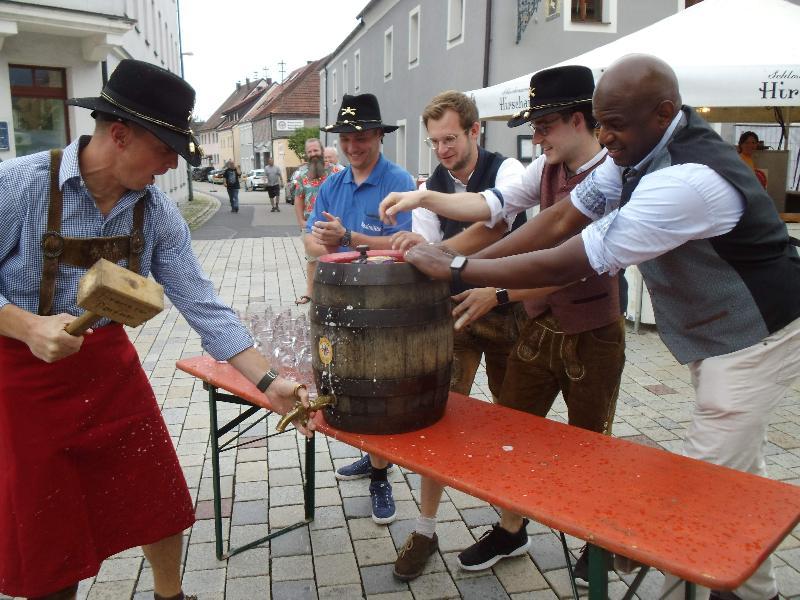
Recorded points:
(414, 555)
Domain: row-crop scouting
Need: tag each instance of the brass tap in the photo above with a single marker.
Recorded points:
(303, 412)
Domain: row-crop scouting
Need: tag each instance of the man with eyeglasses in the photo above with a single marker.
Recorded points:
(451, 119)
(570, 341)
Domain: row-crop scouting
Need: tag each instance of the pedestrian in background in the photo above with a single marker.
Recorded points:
(274, 183)
(231, 176)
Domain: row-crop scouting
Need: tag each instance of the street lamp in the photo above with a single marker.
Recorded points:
(182, 54)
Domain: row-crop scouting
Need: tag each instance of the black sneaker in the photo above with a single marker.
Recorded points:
(493, 546)
(581, 568)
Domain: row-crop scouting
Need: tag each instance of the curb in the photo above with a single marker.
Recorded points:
(200, 210)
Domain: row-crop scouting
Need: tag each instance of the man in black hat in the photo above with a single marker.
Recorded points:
(573, 340)
(345, 215)
(87, 467)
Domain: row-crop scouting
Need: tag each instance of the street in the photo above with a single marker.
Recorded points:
(253, 220)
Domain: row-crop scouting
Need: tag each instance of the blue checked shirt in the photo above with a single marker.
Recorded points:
(167, 254)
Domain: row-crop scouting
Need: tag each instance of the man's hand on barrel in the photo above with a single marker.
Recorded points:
(472, 305)
(404, 240)
(398, 202)
(328, 233)
(283, 395)
(47, 339)
(432, 260)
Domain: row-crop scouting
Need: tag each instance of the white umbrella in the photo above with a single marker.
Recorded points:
(738, 58)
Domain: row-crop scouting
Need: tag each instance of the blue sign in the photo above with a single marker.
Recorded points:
(4, 135)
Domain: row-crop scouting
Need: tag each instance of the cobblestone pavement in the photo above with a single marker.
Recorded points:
(343, 554)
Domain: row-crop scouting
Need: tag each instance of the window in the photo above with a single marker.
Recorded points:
(400, 136)
(455, 22)
(334, 95)
(357, 70)
(587, 11)
(387, 54)
(37, 108)
(413, 38)
(591, 15)
(345, 79)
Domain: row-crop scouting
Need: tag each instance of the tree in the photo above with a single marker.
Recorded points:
(297, 141)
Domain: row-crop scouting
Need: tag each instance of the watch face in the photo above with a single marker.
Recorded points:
(458, 262)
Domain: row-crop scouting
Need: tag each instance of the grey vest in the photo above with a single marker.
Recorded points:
(721, 294)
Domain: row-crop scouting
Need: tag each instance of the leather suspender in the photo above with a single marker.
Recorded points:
(81, 252)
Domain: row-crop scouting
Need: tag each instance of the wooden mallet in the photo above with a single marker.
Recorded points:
(108, 290)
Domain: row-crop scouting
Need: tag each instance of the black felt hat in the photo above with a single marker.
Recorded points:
(556, 89)
(358, 113)
(153, 98)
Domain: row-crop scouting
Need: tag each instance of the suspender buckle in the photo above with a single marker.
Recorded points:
(52, 244)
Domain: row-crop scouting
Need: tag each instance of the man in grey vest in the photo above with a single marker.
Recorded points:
(722, 273)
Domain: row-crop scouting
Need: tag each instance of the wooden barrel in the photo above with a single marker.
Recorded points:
(383, 335)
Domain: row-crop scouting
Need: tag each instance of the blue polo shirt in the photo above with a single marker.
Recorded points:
(357, 206)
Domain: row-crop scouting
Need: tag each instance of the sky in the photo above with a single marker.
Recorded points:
(234, 39)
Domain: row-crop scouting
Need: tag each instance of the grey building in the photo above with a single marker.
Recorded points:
(407, 51)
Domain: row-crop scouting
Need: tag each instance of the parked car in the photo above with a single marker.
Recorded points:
(201, 173)
(255, 180)
(215, 176)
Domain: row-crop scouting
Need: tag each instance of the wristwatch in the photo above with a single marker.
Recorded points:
(456, 266)
(347, 238)
(502, 296)
(266, 380)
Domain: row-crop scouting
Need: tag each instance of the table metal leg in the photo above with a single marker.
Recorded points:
(212, 411)
(308, 490)
(598, 573)
(214, 396)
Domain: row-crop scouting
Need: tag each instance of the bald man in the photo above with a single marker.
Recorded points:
(724, 279)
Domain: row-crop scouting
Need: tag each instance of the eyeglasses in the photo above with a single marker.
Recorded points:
(544, 128)
(448, 141)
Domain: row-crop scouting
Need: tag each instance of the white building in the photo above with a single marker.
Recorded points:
(57, 49)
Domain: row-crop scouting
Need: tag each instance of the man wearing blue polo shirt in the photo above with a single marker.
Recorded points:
(345, 215)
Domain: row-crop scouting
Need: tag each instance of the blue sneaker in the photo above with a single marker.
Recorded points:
(357, 470)
(383, 509)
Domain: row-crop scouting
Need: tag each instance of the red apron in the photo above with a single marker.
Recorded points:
(87, 467)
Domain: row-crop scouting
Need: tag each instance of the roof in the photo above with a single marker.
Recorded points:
(297, 95)
(235, 99)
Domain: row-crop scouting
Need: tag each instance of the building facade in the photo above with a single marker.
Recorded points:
(407, 51)
(59, 49)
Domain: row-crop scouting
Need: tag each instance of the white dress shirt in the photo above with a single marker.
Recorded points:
(525, 192)
(669, 207)
(427, 224)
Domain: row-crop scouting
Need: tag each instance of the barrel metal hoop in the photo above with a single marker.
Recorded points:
(358, 318)
(381, 388)
(365, 274)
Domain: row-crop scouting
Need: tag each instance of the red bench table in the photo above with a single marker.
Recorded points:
(704, 523)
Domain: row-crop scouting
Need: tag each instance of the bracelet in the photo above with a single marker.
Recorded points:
(266, 380)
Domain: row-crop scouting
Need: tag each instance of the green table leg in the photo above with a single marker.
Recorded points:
(598, 574)
(214, 396)
(212, 411)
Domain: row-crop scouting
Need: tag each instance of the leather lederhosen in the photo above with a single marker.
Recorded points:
(81, 252)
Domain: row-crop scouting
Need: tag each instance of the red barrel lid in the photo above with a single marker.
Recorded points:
(348, 257)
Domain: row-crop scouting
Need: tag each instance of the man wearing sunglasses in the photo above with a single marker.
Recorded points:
(570, 341)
